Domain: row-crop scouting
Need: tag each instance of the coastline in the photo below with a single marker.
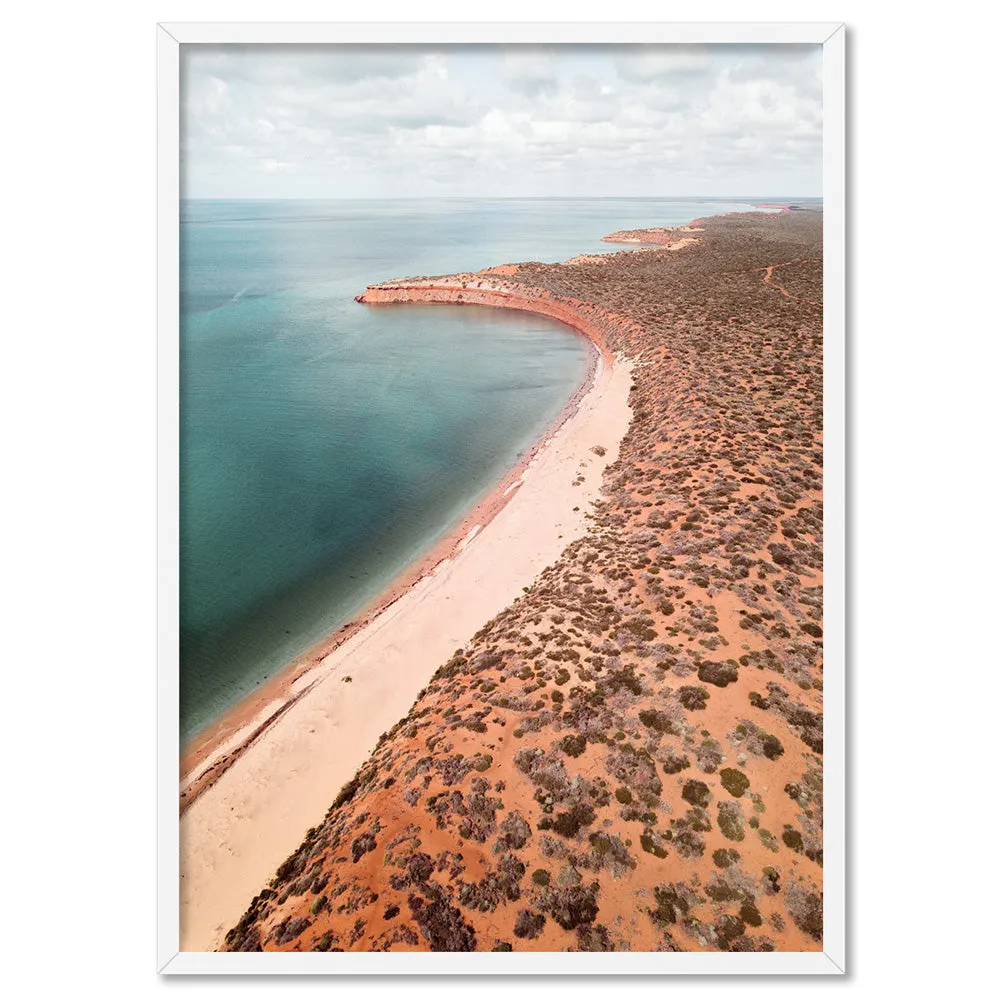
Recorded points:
(236, 825)
(212, 750)
(217, 746)
(656, 694)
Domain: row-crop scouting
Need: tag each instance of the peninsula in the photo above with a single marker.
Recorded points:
(594, 719)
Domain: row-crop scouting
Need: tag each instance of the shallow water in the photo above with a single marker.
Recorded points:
(325, 445)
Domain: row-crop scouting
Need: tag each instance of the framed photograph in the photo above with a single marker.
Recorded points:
(502, 498)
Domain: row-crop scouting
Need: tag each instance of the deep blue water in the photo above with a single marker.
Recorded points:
(326, 444)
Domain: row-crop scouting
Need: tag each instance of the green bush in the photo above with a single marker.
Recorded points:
(735, 782)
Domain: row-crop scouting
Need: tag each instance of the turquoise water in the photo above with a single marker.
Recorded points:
(326, 444)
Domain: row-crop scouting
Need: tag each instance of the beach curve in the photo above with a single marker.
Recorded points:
(237, 824)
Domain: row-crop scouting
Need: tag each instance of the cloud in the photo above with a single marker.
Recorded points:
(643, 63)
(531, 71)
(377, 121)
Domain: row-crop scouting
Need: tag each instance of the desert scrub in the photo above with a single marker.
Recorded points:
(805, 904)
(658, 721)
(693, 698)
(361, 846)
(735, 782)
(675, 763)
(730, 820)
(672, 904)
(768, 839)
(792, 838)
(594, 938)
(573, 745)
(696, 792)
(323, 944)
(541, 877)
(724, 858)
(571, 906)
(749, 914)
(652, 843)
(719, 674)
(288, 930)
(528, 924)
(568, 824)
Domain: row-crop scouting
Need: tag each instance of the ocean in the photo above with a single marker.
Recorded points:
(326, 445)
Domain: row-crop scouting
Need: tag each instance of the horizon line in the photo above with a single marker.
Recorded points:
(487, 197)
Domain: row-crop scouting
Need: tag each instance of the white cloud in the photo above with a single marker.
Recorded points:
(644, 63)
(531, 71)
(385, 121)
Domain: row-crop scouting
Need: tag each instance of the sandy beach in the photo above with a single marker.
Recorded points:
(253, 782)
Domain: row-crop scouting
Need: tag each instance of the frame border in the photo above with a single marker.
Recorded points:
(170, 960)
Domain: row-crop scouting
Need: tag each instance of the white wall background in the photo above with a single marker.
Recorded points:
(78, 414)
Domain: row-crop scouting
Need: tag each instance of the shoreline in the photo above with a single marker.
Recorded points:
(207, 754)
(212, 750)
(237, 822)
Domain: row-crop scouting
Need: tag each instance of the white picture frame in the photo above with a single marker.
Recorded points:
(833, 959)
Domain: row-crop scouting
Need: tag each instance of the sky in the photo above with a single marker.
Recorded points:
(370, 121)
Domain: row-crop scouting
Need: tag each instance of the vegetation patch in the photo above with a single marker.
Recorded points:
(719, 674)
(693, 698)
(696, 792)
(730, 821)
(735, 782)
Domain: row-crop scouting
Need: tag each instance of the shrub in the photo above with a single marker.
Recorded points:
(656, 720)
(730, 927)
(651, 844)
(676, 763)
(361, 846)
(529, 924)
(696, 792)
(735, 782)
(572, 906)
(730, 821)
(719, 674)
(568, 824)
(749, 914)
(594, 938)
(806, 908)
(793, 839)
(693, 698)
